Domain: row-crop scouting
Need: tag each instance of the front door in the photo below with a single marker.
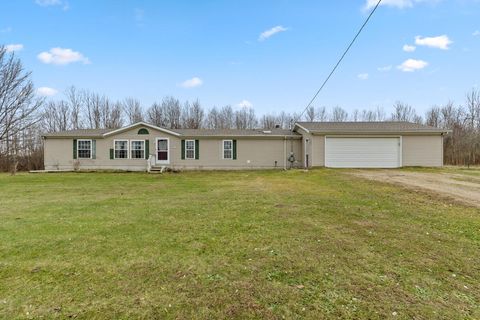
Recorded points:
(163, 154)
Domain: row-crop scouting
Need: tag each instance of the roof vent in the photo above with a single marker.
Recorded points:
(267, 131)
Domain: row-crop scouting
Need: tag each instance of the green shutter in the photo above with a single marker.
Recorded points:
(234, 149)
(94, 149)
(74, 148)
(183, 149)
(147, 149)
(111, 153)
(197, 149)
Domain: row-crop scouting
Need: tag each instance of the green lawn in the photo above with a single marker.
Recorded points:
(269, 244)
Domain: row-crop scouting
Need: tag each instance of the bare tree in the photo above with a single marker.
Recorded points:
(56, 116)
(310, 115)
(226, 118)
(156, 115)
(433, 117)
(192, 115)
(133, 110)
(113, 115)
(18, 103)
(339, 115)
(172, 111)
(473, 109)
(269, 121)
(405, 112)
(212, 120)
(76, 101)
(245, 118)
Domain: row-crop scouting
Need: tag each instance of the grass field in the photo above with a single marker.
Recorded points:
(322, 244)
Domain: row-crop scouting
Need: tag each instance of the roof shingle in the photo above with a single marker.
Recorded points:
(369, 127)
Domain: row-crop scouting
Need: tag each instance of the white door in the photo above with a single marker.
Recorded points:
(349, 152)
(162, 151)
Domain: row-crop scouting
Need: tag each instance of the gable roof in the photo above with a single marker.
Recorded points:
(236, 133)
(140, 124)
(368, 127)
(81, 133)
(102, 133)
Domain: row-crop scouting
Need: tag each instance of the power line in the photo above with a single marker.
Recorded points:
(339, 61)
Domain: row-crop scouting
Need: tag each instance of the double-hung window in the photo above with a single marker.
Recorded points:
(227, 149)
(190, 149)
(138, 149)
(84, 149)
(121, 149)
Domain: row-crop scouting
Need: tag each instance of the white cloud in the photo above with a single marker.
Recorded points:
(409, 48)
(49, 3)
(392, 3)
(270, 32)
(192, 83)
(411, 65)
(61, 56)
(384, 69)
(363, 76)
(46, 3)
(46, 91)
(401, 4)
(6, 30)
(476, 33)
(440, 42)
(245, 104)
(14, 47)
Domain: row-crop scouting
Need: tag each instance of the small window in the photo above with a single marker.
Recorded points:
(143, 131)
(190, 149)
(138, 149)
(227, 149)
(121, 149)
(84, 149)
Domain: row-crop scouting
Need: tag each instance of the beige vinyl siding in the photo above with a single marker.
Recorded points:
(318, 151)
(306, 147)
(424, 151)
(252, 153)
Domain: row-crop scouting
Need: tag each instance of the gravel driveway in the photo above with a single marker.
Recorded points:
(460, 187)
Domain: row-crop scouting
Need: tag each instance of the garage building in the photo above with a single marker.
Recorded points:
(370, 144)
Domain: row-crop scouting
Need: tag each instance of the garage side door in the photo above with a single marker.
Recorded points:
(362, 152)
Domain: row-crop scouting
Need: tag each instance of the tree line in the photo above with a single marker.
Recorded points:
(24, 117)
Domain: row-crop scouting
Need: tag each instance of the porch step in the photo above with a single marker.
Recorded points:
(158, 169)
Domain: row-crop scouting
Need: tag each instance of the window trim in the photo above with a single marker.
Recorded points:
(223, 149)
(91, 148)
(156, 150)
(131, 149)
(128, 149)
(194, 149)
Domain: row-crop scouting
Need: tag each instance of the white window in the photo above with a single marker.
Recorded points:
(121, 149)
(138, 149)
(84, 149)
(189, 149)
(227, 149)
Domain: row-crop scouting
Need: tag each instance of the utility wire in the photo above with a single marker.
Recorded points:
(339, 61)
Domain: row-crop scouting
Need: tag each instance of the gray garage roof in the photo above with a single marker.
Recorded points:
(368, 127)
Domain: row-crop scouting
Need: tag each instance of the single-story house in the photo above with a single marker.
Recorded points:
(142, 146)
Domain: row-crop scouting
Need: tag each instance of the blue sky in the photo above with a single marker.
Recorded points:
(422, 52)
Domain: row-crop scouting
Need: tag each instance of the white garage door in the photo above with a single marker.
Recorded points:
(362, 152)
